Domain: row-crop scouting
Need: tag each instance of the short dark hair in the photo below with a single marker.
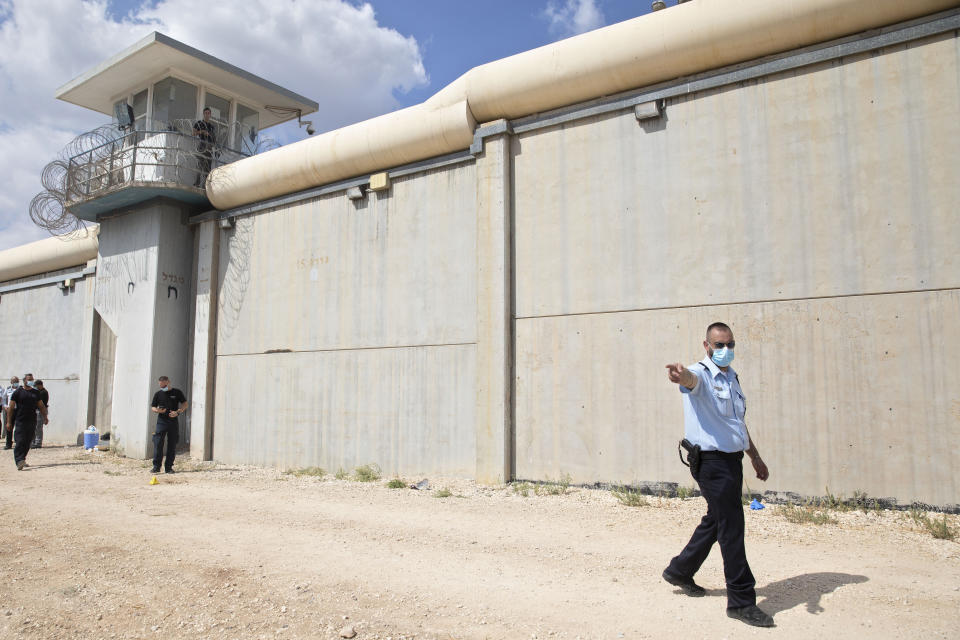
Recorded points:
(38, 383)
(722, 326)
(207, 109)
(163, 378)
(27, 374)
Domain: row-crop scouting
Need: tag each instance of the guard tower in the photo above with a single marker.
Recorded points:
(141, 178)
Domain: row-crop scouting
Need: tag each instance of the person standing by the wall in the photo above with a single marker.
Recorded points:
(45, 397)
(206, 131)
(23, 407)
(5, 395)
(168, 403)
(713, 408)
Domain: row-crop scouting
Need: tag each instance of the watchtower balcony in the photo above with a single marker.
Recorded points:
(138, 165)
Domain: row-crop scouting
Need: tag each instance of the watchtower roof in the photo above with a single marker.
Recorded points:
(156, 54)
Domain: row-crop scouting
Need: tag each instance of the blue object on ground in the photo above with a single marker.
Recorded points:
(756, 506)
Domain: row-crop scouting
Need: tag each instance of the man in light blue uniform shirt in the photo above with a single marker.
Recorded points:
(713, 410)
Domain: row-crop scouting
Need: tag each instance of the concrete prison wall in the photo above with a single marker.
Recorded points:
(510, 316)
(45, 332)
(815, 211)
(346, 332)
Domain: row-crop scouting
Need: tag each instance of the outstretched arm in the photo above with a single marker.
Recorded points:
(679, 374)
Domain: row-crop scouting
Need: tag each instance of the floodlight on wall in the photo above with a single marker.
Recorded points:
(657, 5)
(380, 181)
(226, 223)
(355, 193)
(647, 110)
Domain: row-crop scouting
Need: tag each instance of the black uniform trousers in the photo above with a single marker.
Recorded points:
(7, 434)
(720, 479)
(23, 433)
(168, 430)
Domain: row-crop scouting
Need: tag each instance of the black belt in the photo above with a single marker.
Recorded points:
(720, 455)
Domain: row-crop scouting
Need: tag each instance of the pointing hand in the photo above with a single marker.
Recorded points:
(675, 372)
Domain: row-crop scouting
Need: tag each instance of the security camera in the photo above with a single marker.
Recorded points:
(310, 130)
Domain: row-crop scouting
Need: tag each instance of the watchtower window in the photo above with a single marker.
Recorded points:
(174, 105)
(140, 111)
(248, 124)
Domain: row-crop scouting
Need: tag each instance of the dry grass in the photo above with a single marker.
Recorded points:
(315, 472)
(367, 473)
(630, 497)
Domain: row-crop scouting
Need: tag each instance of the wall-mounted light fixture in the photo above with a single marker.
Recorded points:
(379, 181)
(647, 110)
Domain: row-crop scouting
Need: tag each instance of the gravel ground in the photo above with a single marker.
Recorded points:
(216, 551)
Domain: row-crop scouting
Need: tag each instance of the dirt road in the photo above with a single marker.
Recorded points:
(93, 551)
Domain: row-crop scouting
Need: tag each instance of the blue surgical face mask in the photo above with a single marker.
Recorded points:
(14, 384)
(722, 357)
(30, 383)
(166, 388)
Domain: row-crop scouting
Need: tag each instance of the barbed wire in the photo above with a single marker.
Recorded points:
(48, 209)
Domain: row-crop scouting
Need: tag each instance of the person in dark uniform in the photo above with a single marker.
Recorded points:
(713, 408)
(45, 397)
(23, 406)
(206, 131)
(7, 423)
(168, 403)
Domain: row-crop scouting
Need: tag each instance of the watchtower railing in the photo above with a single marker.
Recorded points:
(167, 157)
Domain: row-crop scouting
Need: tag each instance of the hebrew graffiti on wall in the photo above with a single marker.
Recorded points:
(118, 277)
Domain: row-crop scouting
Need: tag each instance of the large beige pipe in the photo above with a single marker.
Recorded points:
(682, 40)
(49, 255)
(396, 138)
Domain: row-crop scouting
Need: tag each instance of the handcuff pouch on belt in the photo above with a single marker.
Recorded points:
(693, 456)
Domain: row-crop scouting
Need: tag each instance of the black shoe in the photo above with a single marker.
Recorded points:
(752, 615)
(169, 471)
(688, 586)
(155, 470)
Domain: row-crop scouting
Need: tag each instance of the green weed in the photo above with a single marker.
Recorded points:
(939, 529)
(396, 483)
(112, 473)
(442, 493)
(835, 503)
(366, 473)
(315, 472)
(684, 492)
(549, 488)
(341, 474)
(521, 488)
(805, 514)
(630, 497)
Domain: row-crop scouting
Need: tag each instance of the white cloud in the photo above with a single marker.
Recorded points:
(332, 51)
(571, 17)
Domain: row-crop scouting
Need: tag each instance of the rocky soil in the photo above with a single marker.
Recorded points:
(92, 550)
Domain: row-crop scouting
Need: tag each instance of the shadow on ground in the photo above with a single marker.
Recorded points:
(807, 589)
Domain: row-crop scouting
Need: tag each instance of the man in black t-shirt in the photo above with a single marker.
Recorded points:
(168, 403)
(205, 130)
(22, 408)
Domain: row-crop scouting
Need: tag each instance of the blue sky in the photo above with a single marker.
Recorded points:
(356, 59)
